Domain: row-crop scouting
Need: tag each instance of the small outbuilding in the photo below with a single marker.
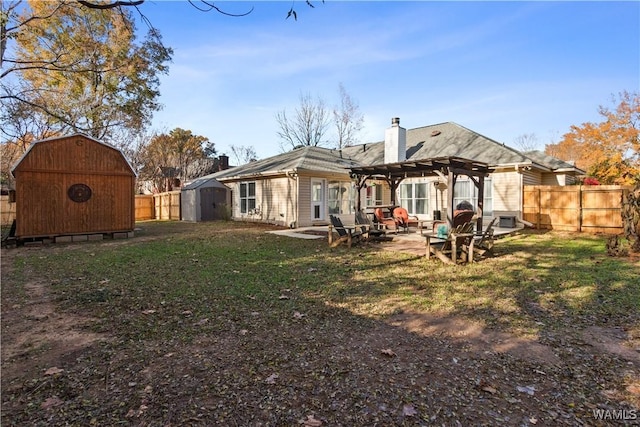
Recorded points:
(73, 185)
(205, 199)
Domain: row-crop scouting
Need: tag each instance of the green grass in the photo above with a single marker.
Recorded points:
(224, 269)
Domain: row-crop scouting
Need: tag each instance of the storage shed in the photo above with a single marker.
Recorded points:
(205, 199)
(73, 185)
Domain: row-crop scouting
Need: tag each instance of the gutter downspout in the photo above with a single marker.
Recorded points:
(294, 175)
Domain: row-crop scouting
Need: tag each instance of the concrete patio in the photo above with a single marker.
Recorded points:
(412, 242)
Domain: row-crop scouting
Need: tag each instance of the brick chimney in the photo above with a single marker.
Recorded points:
(223, 162)
(395, 142)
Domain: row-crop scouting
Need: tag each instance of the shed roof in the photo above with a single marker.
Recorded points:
(203, 181)
(109, 146)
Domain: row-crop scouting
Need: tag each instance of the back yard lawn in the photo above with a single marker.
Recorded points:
(224, 324)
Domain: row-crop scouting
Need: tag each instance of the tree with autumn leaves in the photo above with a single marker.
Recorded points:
(610, 150)
(178, 154)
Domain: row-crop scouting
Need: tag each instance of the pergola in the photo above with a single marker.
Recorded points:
(447, 168)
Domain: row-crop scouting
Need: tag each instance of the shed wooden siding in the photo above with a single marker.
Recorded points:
(49, 168)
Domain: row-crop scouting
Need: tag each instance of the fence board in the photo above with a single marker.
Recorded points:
(594, 209)
(7, 210)
(167, 205)
(144, 207)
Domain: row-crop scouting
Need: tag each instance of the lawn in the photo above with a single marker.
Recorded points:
(224, 324)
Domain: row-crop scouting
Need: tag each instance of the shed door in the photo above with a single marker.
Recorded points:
(212, 203)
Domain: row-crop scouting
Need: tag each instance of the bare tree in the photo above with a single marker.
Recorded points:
(244, 154)
(307, 127)
(348, 119)
(526, 142)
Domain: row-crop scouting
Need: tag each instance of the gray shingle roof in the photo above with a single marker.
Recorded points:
(439, 140)
(552, 163)
(444, 140)
(305, 158)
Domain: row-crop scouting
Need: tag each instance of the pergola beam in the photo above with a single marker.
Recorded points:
(451, 167)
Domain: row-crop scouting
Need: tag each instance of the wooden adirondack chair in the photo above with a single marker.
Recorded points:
(374, 233)
(459, 218)
(484, 245)
(346, 233)
(453, 243)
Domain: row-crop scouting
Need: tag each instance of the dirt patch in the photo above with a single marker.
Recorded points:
(474, 336)
(613, 341)
(35, 335)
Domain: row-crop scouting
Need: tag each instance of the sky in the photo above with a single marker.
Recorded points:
(500, 68)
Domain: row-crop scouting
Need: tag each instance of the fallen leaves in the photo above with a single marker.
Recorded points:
(409, 411)
(53, 371)
(51, 402)
(271, 379)
(311, 421)
(530, 390)
(388, 352)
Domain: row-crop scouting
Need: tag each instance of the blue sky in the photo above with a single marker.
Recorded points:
(500, 68)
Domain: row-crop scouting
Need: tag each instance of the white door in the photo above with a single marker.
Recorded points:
(317, 200)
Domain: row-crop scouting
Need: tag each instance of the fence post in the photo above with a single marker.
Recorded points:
(580, 194)
(538, 204)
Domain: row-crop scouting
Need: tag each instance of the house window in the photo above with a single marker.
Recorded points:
(414, 197)
(466, 190)
(373, 195)
(341, 198)
(247, 197)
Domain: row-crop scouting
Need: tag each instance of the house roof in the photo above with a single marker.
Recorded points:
(299, 159)
(552, 163)
(442, 140)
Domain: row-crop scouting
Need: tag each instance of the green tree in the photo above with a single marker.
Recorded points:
(80, 69)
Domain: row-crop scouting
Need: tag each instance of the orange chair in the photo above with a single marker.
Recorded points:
(403, 219)
(387, 222)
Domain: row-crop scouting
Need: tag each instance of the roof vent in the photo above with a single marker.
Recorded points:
(435, 133)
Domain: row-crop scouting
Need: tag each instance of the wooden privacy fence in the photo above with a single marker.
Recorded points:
(158, 206)
(591, 208)
(7, 210)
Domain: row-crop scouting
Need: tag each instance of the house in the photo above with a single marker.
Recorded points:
(73, 185)
(303, 186)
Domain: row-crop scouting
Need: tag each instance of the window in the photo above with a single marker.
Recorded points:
(373, 195)
(414, 197)
(467, 191)
(247, 197)
(341, 198)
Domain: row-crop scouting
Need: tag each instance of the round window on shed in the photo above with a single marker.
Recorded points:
(79, 193)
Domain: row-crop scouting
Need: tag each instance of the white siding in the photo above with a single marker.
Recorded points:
(304, 201)
(274, 199)
(507, 193)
